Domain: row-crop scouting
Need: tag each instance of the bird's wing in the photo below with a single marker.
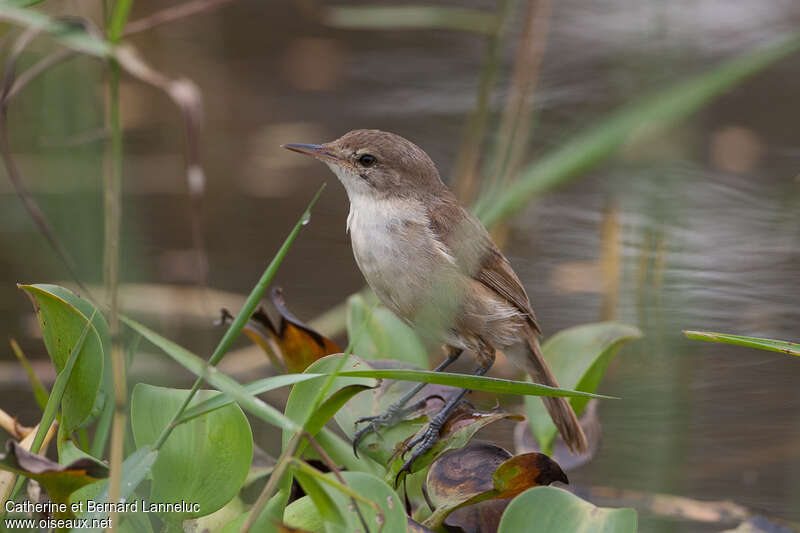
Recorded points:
(476, 254)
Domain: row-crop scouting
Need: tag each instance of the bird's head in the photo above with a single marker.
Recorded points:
(376, 164)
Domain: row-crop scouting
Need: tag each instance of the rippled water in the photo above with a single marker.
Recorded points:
(709, 213)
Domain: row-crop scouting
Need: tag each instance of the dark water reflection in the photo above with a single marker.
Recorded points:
(709, 225)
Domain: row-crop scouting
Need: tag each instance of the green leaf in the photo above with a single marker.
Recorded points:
(67, 34)
(256, 387)
(301, 514)
(205, 460)
(411, 18)
(468, 381)
(323, 503)
(69, 453)
(604, 137)
(303, 395)
(789, 348)
(39, 391)
(214, 377)
(578, 357)
(552, 510)
(119, 17)
(392, 514)
(62, 317)
(134, 470)
(384, 336)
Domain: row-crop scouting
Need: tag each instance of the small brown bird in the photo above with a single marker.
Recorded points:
(435, 266)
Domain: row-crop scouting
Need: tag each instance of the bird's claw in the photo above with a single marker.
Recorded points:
(392, 416)
(420, 445)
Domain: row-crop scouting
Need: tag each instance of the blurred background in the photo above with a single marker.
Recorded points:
(695, 228)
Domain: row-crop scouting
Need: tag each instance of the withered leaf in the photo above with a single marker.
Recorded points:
(481, 472)
(291, 344)
(58, 480)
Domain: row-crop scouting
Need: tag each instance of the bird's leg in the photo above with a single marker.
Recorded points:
(426, 440)
(398, 410)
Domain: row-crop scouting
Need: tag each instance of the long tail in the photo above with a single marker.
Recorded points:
(559, 408)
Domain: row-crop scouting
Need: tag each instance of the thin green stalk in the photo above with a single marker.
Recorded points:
(113, 220)
(296, 440)
(274, 479)
(466, 162)
(39, 391)
(244, 315)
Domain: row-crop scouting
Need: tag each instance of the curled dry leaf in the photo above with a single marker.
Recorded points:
(291, 344)
(481, 472)
(58, 480)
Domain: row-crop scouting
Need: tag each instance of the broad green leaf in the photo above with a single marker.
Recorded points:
(578, 357)
(205, 460)
(552, 510)
(69, 453)
(214, 377)
(336, 447)
(323, 503)
(789, 348)
(134, 469)
(301, 514)
(302, 397)
(392, 518)
(256, 387)
(62, 317)
(217, 520)
(468, 381)
(604, 137)
(384, 336)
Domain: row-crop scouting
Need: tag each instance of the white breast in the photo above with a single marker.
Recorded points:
(395, 250)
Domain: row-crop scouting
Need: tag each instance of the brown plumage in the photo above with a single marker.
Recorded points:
(433, 263)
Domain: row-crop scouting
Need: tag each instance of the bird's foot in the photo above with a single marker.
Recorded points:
(395, 414)
(423, 442)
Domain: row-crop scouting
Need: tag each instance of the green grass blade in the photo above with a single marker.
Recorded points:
(214, 377)
(119, 17)
(256, 387)
(134, 469)
(411, 18)
(39, 391)
(258, 291)
(467, 381)
(789, 348)
(69, 36)
(604, 137)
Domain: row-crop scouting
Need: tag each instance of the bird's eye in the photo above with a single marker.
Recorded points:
(367, 160)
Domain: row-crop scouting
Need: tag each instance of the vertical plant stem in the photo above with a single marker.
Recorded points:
(113, 217)
(465, 168)
(274, 480)
(515, 126)
(112, 185)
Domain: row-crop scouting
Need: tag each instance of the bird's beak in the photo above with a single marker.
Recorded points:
(316, 151)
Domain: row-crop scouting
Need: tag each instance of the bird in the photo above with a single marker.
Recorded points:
(433, 264)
